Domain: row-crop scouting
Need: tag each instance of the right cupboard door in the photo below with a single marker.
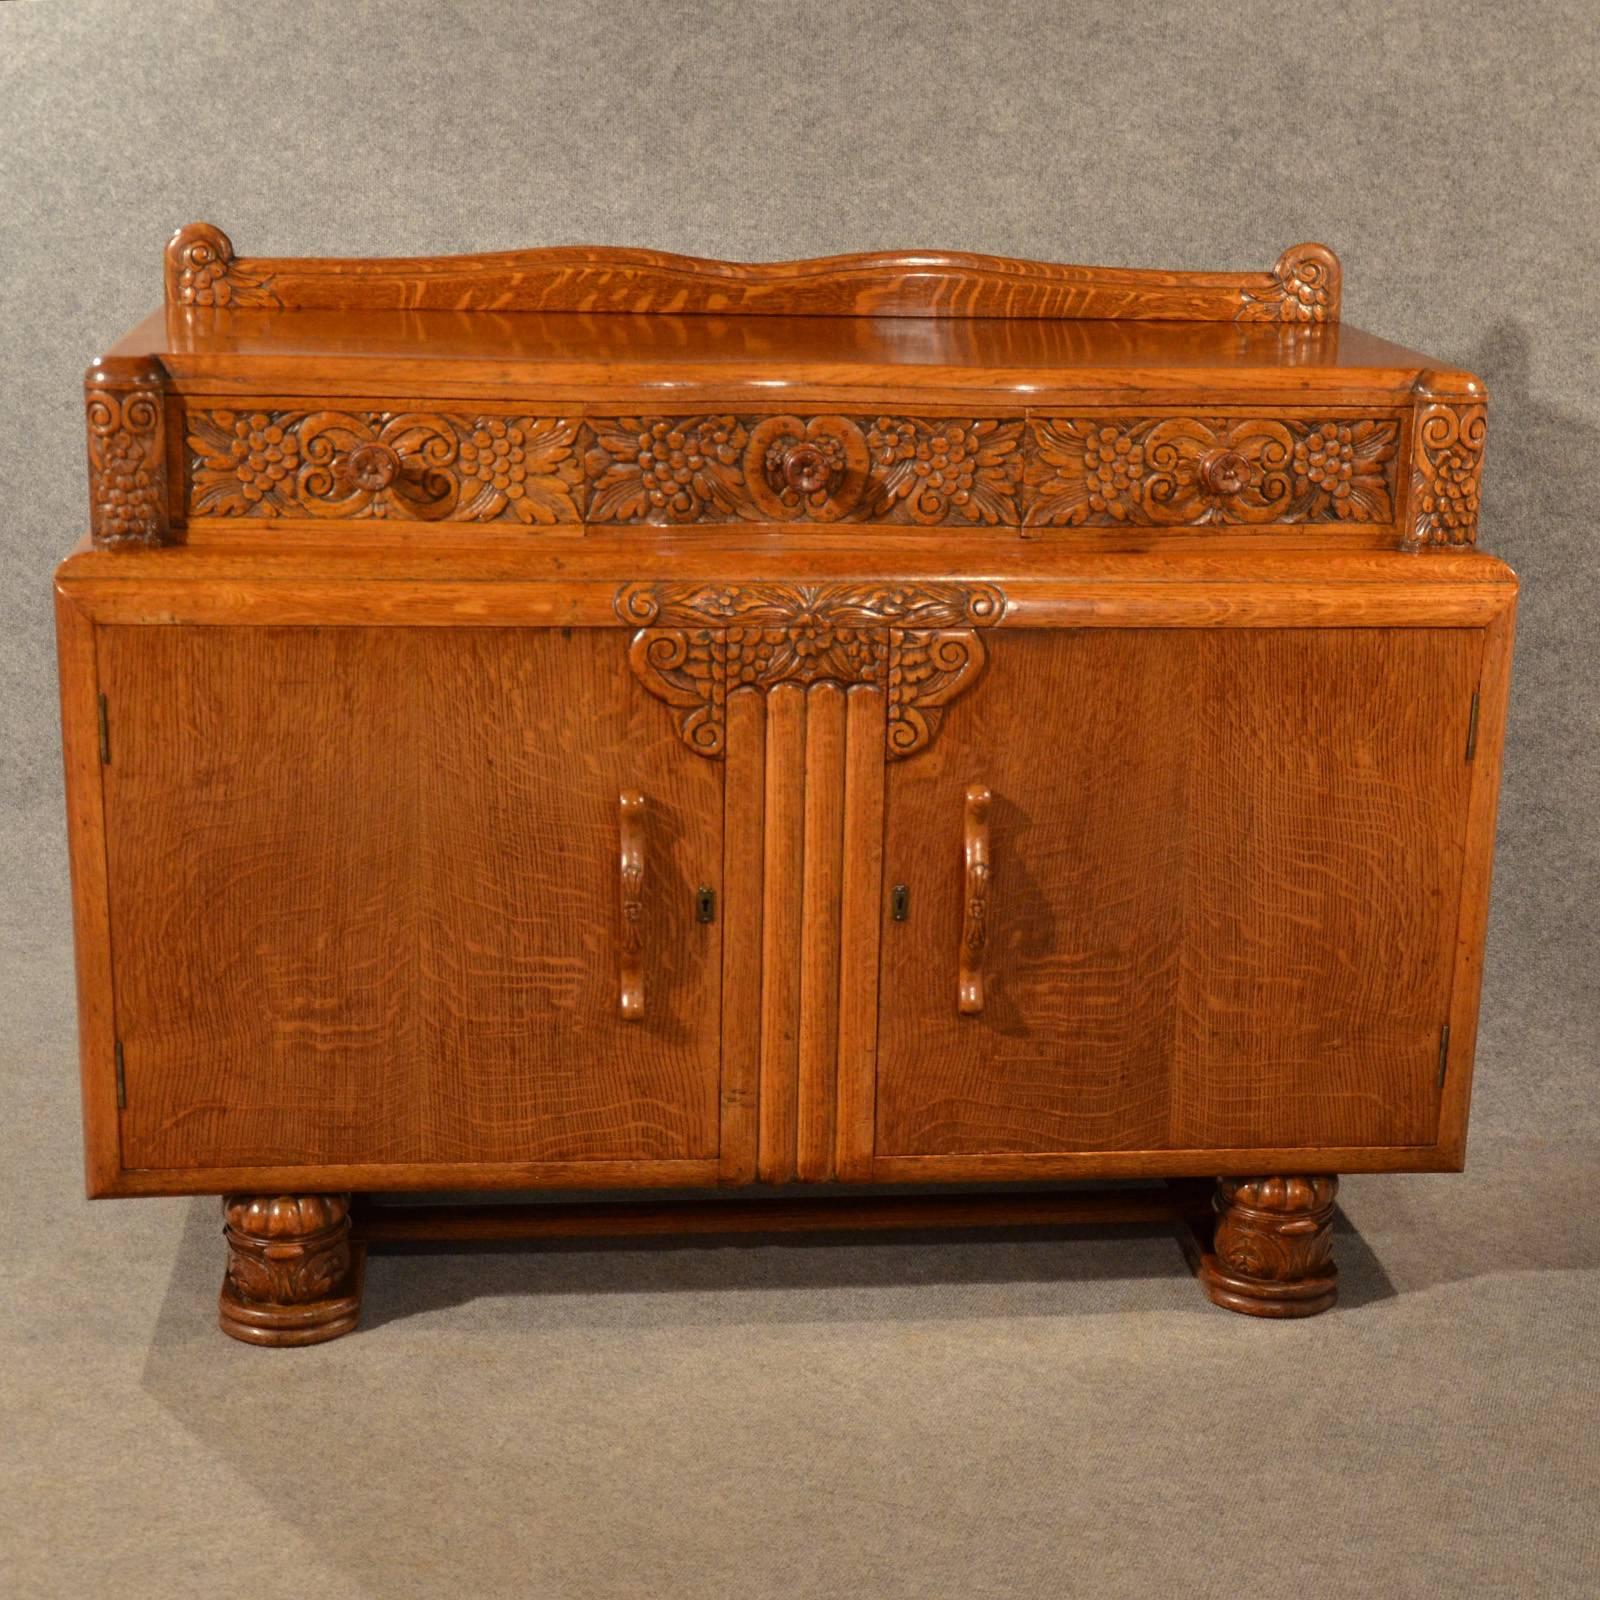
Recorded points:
(1220, 904)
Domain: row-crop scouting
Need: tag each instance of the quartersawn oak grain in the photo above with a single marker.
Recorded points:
(407, 932)
(402, 574)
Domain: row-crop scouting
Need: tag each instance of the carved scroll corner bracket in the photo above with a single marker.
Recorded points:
(1305, 288)
(697, 643)
(202, 270)
(1446, 460)
(126, 416)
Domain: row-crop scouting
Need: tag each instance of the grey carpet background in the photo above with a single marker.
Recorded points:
(922, 1418)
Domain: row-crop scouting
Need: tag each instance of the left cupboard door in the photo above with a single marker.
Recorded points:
(370, 909)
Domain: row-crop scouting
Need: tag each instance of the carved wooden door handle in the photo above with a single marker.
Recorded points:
(630, 830)
(974, 920)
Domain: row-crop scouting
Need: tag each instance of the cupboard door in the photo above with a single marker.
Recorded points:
(1224, 871)
(367, 900)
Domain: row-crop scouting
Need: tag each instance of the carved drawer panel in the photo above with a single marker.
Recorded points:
(1194, 472)
(418, 465)
(1037, 472)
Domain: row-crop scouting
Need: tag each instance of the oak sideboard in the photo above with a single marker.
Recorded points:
(606, 721)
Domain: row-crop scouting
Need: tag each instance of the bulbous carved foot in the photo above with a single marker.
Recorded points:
(1270, 1250)
(294, 1276)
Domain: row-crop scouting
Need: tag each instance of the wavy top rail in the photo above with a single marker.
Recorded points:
(202, 270)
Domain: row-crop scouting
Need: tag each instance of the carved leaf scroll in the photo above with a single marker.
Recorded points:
(700, 642)
(203, 271)
(1306, 289)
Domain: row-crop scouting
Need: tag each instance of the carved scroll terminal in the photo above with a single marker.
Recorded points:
(125, 405)
(1447, 461)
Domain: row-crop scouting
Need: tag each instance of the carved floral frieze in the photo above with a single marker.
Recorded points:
(1169, 471)
(699, 643)
(1061, 471)
(421, 465)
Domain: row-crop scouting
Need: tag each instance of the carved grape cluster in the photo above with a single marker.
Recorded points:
(1305, 299)
(1453, 497)
(127, 489)
(494, 456)
(943, 461)
(678, 465)
(264, 453)
(1113, 464)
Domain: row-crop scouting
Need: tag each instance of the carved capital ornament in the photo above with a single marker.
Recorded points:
(918, 642)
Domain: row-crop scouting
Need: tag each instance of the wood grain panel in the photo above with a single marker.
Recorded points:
(781, 922)
(531, 739)
(203, 271)
(364, 900)
(858, 931)
(745, 815)
(1494, 688)
(1327, 807)
(818, 1047)
(1226, 875)
(1086, 831)
(91, 916)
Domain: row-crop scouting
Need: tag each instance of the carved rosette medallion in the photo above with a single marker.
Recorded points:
(1446, 471)
(1306, 289)
(425, 466)
(699, 643)
(286, 1250)
(202, 271)
(1278, 1230)
(126, 415)
(1101, 471)
(932, 472)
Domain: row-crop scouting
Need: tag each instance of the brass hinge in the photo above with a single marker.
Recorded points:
(105, 734)
(1472, 727)
(705, 903)
(1444, 1052)
(122, 1080)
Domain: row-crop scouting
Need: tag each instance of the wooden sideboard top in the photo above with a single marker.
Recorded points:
(581, 388)
(600, 356)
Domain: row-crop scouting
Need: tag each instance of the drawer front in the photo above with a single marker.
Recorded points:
(1090, 469)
